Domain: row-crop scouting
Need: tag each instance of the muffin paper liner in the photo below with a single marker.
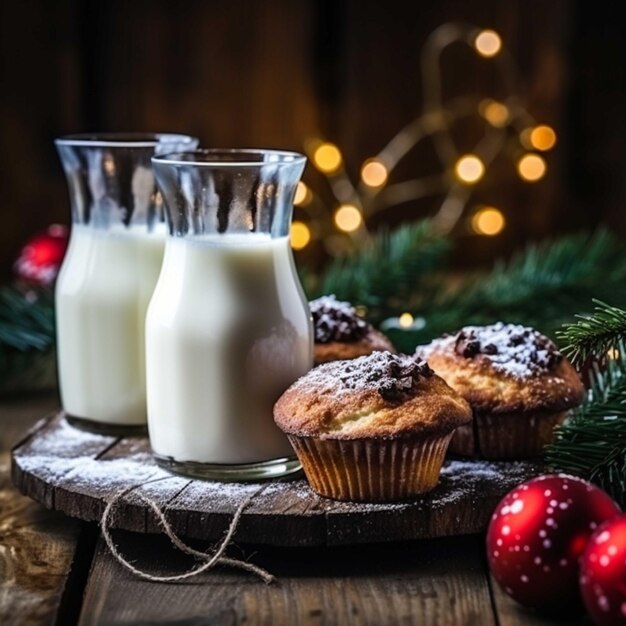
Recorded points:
(371, 469)
(506, 436)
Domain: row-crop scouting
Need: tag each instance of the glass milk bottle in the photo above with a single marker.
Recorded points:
(228, 328)
(108, 275)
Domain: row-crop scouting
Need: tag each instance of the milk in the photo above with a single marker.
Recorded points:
(102, 294)
(227, 332)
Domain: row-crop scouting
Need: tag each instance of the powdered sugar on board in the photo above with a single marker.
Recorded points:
(286, 512)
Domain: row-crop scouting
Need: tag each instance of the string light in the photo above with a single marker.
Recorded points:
(374, 173)
(542, 137)
(327, 158)
(300, 235)
(488, 43)
(613, 354)
(405, 320)
(348, 218)
(531, 168)
(303, 195)
(488, 221)
(496, 113)
(376, 193)
(469, 169)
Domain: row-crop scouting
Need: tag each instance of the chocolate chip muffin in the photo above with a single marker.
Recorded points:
(374, 428)
(518, 385)
(342, 334)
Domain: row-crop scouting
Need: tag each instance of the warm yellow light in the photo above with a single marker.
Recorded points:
(613, 354)
(303, 195)
(327, 158)
(405, 320)
(374, 173)
(496, 113)
(488, 221)
(531, 167)
(300, 235)
(488, 43)
(348, 218)
(542, 137)
(469, 169)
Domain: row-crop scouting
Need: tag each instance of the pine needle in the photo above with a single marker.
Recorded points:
(592, 443)
(26, 320)
(598, 334)
(384, 273)
(544, 286)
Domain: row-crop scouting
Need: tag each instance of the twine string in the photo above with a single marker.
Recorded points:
(210, 559)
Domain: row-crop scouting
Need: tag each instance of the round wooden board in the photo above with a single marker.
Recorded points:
(76, 472)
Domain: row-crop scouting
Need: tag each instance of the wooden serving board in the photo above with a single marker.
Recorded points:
(76, 472)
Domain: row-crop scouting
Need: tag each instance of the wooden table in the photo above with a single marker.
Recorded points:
(55, 570)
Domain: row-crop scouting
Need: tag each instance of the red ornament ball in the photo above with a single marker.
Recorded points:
(603, 574)
(40, 259)
(537, 535)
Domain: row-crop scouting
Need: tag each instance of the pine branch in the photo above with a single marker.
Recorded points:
(383, 273)
(26, 320)
(544, 286)
(592, 443)
(594, 335)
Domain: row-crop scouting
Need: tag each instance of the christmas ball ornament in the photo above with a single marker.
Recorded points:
(537, 535)
(41, 257)
(603, 574)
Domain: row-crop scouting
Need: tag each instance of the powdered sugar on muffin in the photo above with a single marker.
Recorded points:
(391, 375)
(512, 349)
(334, 320)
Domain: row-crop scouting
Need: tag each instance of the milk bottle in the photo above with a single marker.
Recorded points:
(228, 328)
(108, 275)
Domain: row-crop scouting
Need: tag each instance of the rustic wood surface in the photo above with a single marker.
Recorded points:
(56, 571)
(435, 582)
(77, 472)
(36, 546)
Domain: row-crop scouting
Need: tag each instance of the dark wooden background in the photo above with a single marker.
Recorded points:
(274, 72)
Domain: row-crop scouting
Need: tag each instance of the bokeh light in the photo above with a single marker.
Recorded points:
(405, 320)
(488, 221)
(531, 168)
(303, 195)
(348, 218)
(542, 137)
(374, 173)
(496, 113)
(488, 43)
(300, 235)
(469, 169)
(327, 158)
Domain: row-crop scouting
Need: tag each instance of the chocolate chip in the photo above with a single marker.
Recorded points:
(334, 320)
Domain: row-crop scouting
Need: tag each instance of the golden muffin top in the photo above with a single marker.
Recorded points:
(503, 368)
(382, 395)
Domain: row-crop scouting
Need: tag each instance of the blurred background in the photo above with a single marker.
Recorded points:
(284, 74)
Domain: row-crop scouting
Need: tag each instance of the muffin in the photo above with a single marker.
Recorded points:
(516, 381)
(341, 334)
(374, 428)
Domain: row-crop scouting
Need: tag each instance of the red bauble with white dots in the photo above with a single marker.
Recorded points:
(603, 574)
(537, 535)
(40, 259)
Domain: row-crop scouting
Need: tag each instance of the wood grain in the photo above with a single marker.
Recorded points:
(512, 614)
(36, 546)
(436, 582)
(77, 473)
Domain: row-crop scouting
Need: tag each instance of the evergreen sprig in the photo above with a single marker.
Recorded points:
(383, 273)
(594, 335)
(592, 443)
(544, 286)
(26, 320)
